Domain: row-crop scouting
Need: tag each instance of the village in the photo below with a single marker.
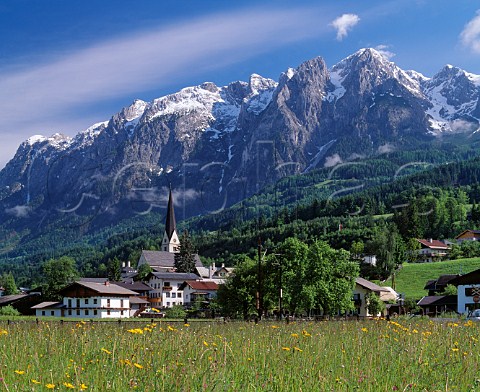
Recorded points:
(163, 287)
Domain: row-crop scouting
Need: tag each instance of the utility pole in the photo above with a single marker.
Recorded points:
(259, 288)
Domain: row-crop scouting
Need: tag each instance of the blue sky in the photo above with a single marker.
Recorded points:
(65, 65)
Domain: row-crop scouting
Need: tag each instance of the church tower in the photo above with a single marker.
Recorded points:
(170, 242)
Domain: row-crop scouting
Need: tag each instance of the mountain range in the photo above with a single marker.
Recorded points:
(216, 146)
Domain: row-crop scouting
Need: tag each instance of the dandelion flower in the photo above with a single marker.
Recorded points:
(298, 349)
(69, 385)
(50, 386)
(83, 387)
(20, 371)
(286, 348)
(35, 381)
(106, 351)
(205, 343)
(137, 365)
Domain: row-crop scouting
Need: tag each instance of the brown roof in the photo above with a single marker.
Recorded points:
(199, 285)
(475, 232)
(433, 244)
(164, 259)
(134, 286)
(369, 285)
(438, 300)
(138, 300)
(102, 288)
(48, 304)
(8, 299)
(470, 278)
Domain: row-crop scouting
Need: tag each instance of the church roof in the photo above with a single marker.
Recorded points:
(170, 224)
(159, 258)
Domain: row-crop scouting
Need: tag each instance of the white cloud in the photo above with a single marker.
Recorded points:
(386, 148)
(343, 24)
(18, 211)
(470, 36)
(332, 160)
(383, 50)
(52, 95)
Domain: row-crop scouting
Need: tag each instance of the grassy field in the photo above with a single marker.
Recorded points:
(411, 278)
(325, 356)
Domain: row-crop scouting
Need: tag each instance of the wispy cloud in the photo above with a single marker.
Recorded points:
(50, 93)
(470, 36)
(343, 24)
(384, 51)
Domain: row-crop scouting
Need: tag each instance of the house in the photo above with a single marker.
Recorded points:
(468, 291)
(127, 271)
(370, 260)
(432, 250)
(437, 286)
(213, 272)
(362, 288)
(96, 300)
(434, 305)
(194, 290)
(140, 301)
(49, 308)
(163, 260)
(166, 290)
(468, 235)
(22, 302)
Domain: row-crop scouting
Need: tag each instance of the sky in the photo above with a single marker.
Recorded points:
(65, 65)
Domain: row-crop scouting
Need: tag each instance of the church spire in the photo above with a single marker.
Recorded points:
(170, 224)
(170, 241)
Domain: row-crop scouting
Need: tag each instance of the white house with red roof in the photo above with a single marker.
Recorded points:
(432, 250)
(194, 290)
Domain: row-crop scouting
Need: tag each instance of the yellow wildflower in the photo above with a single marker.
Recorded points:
(298, 349)
(106, 351)
(69, 385)
(20, 371)
(35, 381)
(286, 348)
(295, 335)
(83, 387)
(50, 386)
(364, 329)
(205, 343)
(137, 365)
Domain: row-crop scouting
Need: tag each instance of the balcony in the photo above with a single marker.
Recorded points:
(167, 288)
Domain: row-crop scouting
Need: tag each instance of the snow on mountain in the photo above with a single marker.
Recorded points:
(261, 93)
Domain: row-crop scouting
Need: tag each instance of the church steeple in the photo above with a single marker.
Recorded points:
(170, 241)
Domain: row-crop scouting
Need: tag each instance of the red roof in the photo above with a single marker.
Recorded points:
(433, 244)
(199, 285)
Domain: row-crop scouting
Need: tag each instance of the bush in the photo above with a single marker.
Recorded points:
(176, 311)
(9, 310)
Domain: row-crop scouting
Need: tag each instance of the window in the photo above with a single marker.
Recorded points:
(168, 303)
(121, 304)
(69, 303)
(52, 313)
(166, 284)
(95, 312)
(78, 312)
(43, 313)
(179, 285)
(78, 302)
(108, 312)
(86, 301)
(108, 302)
(95, 301)
(179, 295)
(167, 294)
(86, 312)
(69, 312)
(174, 295)
(123, 313)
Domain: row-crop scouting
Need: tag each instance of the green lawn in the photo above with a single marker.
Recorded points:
(411, 278)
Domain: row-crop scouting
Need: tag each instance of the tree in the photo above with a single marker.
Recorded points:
(175, 312)
(58, 273)
(185, 258)
(9, 310)
(450, 289)
(374, 304)
(114, 269)
(7, 281)
(143, 271)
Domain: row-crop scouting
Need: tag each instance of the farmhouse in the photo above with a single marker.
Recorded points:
(468, 235)
(194, 290)
(432, 250)
(468, 291)
(96, 300)
(364, 287)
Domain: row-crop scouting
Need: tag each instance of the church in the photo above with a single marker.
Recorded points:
(163, 260)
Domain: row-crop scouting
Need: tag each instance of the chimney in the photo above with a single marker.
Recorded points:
(128, 263)
(107, 283)
(430, 240)
(123, 264)
(223, 265)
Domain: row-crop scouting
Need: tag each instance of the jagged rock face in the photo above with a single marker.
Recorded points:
(222, 143)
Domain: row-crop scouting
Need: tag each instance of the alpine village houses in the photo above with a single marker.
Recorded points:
(162, 288)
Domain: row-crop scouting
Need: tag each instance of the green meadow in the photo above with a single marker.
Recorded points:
(371, 355)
